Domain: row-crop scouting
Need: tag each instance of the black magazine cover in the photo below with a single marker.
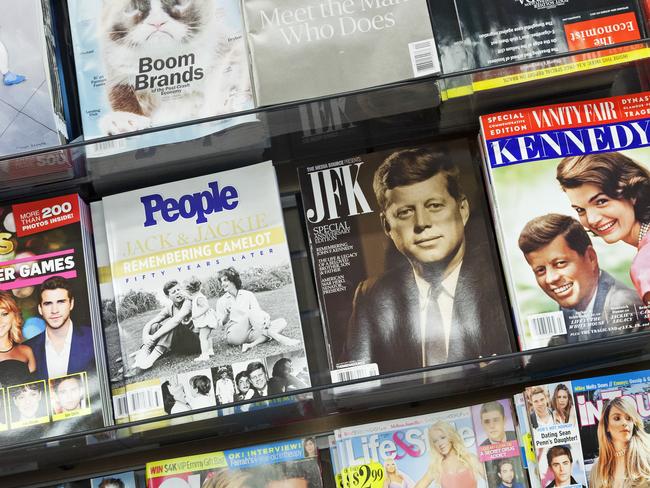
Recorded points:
(51, 355)
(510, 31)
(416, 284)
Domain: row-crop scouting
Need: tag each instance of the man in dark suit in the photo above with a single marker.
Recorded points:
(565, 264)
(63, 347)
(444, 305)
(259, 379)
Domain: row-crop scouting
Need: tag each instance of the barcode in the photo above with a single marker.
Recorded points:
(354, 373)
(547, 324)
(424, 57)
(120, 406)
(100, 148)
(143, 400)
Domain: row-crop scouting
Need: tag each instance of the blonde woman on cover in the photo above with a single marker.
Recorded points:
(452, 465)
(394, 477)
(623, 448)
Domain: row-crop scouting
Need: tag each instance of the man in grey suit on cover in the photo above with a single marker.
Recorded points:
(443, 304)
(560, 253)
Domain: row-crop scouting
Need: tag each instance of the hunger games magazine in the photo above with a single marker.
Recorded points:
(482, 439)
(291, 463)
(204, 293)
(406, 267)
(592, 431)
(569, 185)
(52, 366)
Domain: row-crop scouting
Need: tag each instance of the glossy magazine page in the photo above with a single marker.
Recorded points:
(406, 268)
(291, 464)
(50, 378)
(569, 185)
(29, 120)
(471, 446)
(306, 49)
(206, 305)
(154, 63)
(592, 431)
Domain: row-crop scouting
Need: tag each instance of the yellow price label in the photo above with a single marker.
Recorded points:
(528, 445)
(363, 476)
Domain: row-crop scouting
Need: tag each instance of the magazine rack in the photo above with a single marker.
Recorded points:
(293, 134)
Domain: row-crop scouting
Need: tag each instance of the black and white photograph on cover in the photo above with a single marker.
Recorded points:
(288, 372)
(197, 384)
(28, 404)
(257, 375)
(174, 396)
(224, 384)
(506, 473)
(427, 295)
(69, 395)
(217, 316)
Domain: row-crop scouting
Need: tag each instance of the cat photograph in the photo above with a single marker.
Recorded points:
(168, 61)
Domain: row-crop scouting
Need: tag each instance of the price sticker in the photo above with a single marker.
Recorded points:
(363, 476)
(528, 446)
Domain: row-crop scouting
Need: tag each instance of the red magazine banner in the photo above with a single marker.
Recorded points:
(566, 115)
(603, 31)
(42, 215)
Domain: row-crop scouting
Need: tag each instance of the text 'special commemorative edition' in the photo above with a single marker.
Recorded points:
(570, 185)
(52, 363)
(404, 259)
(206, 311)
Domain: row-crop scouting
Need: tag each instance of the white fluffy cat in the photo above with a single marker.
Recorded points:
(133, 30)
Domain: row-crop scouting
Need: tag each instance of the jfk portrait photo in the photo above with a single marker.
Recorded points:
(437, 296)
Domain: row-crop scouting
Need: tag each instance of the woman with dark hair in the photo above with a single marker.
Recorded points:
(247, 325)
(611, 195)
(562, 405)
(623, 448)
(17, 360)
(283, 378)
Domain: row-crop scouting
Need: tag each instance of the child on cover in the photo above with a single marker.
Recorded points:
(204, 318)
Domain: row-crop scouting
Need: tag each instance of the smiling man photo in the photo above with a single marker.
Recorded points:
(560, 254)
(63, 347)
(439, 306)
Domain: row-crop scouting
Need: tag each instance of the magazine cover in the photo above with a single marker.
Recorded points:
(153, 63)
(307, 49)
(526, 440)
(576, 259)
(206, 306)
(405, 266)
(51, 355)
(30, 90)
(116, 480)
(520, 30)
(471, 446)
(279, 464)
(593, 431)
(555, 433)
